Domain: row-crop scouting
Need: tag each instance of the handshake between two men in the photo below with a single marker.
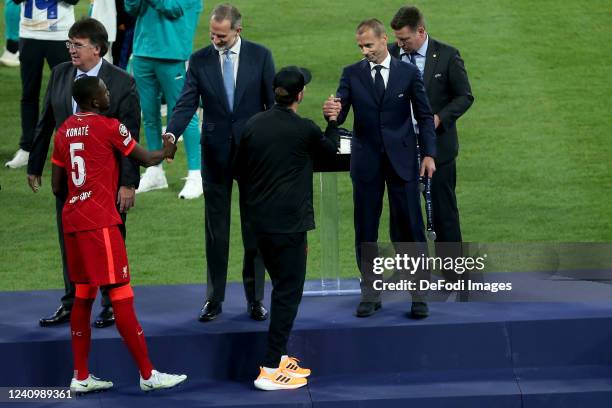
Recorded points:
(331, 110)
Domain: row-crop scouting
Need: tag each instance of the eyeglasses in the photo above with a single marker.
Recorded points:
(77, 47)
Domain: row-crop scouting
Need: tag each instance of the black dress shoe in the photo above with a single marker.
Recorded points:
(61, 315)
(105, 318)
(366, 309)
(210, 311)
(419, 310)
(257, 311)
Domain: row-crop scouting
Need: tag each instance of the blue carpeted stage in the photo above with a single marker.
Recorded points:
(505, 354)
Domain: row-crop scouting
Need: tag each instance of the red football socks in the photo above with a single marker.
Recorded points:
(81, 336)
(129, 328)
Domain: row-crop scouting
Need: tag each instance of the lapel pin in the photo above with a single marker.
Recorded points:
(435, 55)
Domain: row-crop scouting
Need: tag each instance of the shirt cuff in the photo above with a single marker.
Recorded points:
(172, 137)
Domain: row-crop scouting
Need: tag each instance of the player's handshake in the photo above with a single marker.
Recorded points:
(169, 147)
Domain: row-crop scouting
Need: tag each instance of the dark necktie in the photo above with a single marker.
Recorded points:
(412, 57)
(379, 83)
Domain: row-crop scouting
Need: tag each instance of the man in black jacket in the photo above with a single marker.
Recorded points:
(450, 96)
(274, 163)
(88, 42)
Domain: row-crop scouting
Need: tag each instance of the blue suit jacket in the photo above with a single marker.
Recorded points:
(388, 122)
(221, 127)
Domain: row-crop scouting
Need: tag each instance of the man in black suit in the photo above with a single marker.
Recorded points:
(88, 42)
(450, 96)
(233, 79)
(381, 90)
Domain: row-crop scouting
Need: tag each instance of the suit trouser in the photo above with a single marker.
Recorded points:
(406, 221)
(217, 213)
(154, 76)
(284, 256)
(69, 287)
(32, 56)
(445, 215)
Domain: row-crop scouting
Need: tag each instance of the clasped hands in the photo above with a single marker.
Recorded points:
(332, 108)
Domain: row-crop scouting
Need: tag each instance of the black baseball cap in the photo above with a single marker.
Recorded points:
(292, 79)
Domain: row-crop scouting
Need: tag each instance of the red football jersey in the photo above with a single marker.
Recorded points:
(88, 145)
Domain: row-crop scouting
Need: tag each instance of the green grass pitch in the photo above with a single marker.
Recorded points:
(534, 164)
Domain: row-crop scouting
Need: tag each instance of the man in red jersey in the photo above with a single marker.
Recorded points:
(86, 159)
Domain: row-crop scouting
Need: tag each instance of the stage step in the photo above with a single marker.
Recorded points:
(463, 355)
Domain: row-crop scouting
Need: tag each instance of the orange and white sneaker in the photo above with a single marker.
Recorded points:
(277, 380)
(291, 367)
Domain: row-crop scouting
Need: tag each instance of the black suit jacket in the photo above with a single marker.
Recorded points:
(57, 107)
(221, 128)
(448, 90)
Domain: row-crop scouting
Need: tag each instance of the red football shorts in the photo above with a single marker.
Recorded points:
(97, 257)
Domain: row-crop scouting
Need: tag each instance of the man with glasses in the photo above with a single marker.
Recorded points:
(233, 79)
(87, 44)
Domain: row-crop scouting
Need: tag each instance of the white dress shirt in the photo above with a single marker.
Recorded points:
(419, 57)
(92, 72)
(386, 64)
(235, 56)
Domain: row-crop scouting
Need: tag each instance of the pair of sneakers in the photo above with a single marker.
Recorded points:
(288, 376)
(157, 381)
(154, 178)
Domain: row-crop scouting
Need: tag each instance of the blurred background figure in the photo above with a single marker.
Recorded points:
(105, 12)
(122, 47)
(43, 31)
(163, 39)
(10, 56)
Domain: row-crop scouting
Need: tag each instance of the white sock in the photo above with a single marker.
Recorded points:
(269, 370)
(284, 356)
(194, 174)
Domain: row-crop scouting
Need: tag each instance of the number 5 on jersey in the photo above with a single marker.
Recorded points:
(78, 164)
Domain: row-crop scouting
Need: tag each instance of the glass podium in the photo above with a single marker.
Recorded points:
(330, 282)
